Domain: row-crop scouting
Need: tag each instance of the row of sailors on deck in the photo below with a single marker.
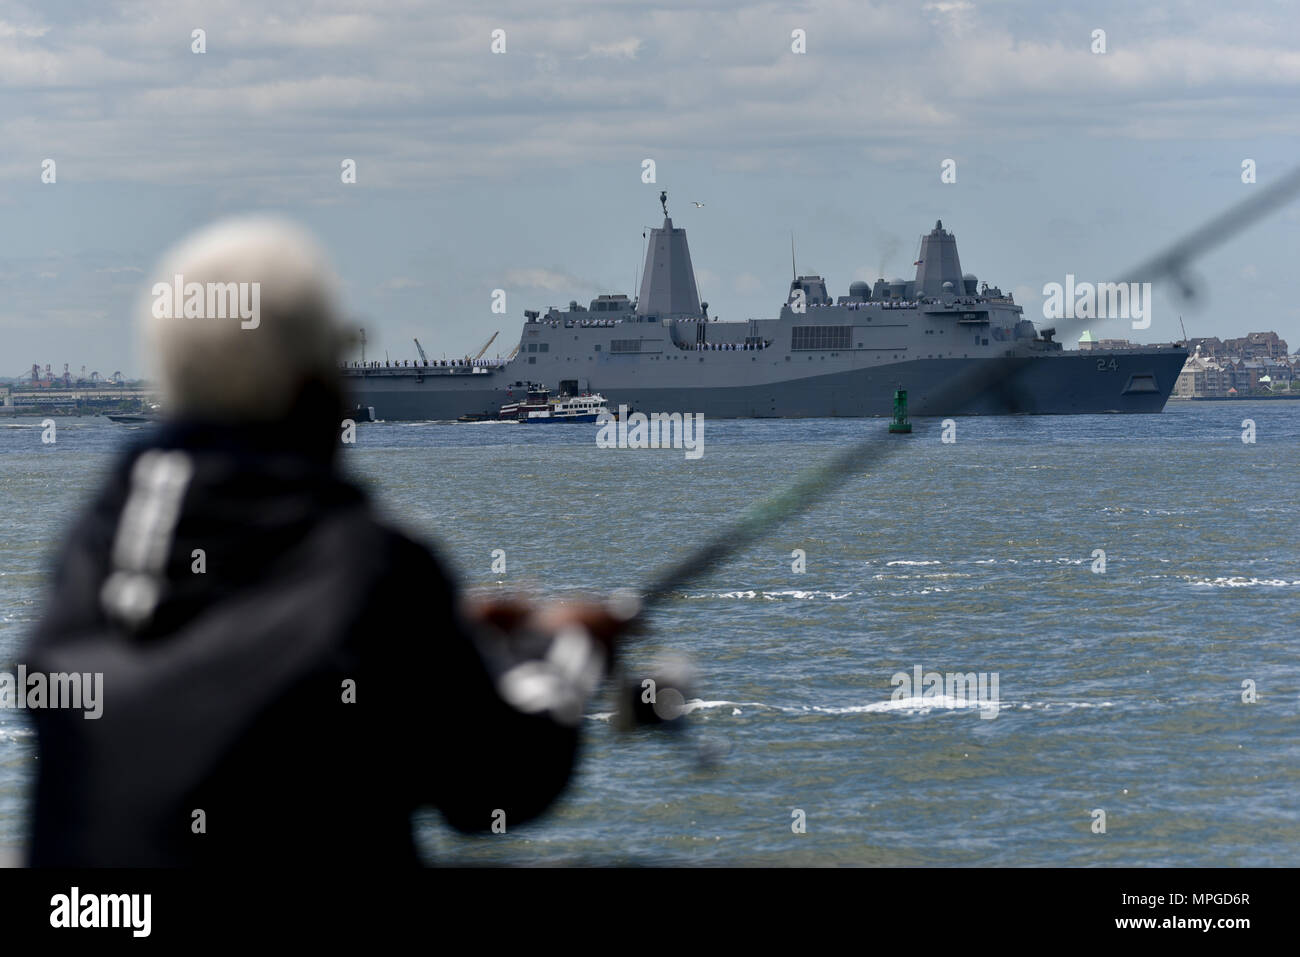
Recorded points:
(882, 303)
(727, 346)
(425, 363)
(899, 303)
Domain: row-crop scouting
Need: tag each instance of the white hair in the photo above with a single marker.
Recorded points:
(218, 363)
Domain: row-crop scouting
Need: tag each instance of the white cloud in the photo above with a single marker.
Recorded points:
(550, 280)
(418, 94)
(618, 50)
(956, 16)
(9, 31)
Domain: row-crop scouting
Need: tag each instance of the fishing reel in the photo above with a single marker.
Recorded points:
(658, 695)
(654, 695)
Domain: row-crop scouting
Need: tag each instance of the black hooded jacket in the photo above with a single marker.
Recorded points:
(227, 735)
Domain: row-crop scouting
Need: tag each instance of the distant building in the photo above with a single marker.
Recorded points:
(1207, 376)
(1257, 345)
(1206, 346)
(1254, 363)
(1253, 345)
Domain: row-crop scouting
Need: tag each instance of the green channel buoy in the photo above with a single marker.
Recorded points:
(900, 425)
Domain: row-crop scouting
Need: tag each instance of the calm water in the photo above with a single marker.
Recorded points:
(1119, 691)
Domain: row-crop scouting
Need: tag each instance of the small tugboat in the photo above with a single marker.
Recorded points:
(536, 399)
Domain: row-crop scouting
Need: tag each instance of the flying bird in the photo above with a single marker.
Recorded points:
(697, 205)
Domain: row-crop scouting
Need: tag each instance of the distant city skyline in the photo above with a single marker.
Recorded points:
(522, 170)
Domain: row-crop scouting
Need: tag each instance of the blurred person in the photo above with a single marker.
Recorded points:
(286, 677)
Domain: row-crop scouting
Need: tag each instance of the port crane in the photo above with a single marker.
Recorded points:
(477, 355)
(486, 344)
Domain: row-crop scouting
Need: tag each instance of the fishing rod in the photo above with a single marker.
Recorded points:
(635, 608)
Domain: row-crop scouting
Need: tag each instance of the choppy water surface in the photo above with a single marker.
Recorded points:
(1119, 691)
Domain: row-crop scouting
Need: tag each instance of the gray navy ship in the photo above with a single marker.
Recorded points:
(820, 357)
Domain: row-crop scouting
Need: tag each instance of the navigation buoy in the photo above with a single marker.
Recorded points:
(900, 425)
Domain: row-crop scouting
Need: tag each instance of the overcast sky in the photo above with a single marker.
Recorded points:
(522, 170)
